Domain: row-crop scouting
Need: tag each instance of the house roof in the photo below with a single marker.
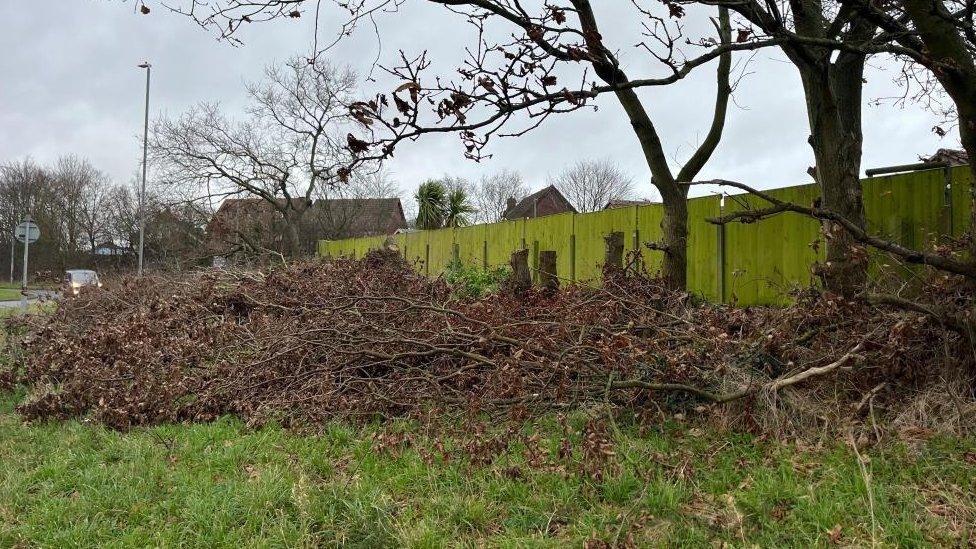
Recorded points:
(953, 157)
(526, 206)
(353, 217)
(327, 218)
(233, 211)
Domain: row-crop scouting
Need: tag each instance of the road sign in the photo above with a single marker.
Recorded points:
(27, 231)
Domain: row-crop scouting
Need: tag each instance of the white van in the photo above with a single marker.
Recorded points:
(74, 279)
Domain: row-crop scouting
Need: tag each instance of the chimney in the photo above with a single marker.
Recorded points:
(511, 203)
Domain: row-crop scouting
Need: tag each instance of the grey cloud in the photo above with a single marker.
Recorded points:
(70, 84)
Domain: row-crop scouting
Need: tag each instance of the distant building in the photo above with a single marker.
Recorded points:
(255, 222)
(621, 203)
(110, 249)
(242, 223)
(548, 201)
(339, 218)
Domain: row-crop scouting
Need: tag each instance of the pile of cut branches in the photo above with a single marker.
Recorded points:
(370, 338)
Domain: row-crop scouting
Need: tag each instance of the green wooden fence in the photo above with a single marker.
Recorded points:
(742, 263)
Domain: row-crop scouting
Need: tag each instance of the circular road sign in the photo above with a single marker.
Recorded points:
(27, 231)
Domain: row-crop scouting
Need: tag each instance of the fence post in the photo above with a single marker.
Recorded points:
(636, 242)
(947, 200)
(535, 260)
(455, 252)
(484, 254)
(572, 257)
(427, 260)
(572, 250)
(547, 270)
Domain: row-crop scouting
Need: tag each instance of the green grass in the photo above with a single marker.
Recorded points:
(69, 484)
(9, 294)
(33, 307)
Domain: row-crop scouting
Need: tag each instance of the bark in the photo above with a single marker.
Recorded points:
(832, 90)
(835, 137)
(294, 244)
(521, 277)
(674, 266)
(613, 251)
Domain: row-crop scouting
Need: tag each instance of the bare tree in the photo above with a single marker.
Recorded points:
(290, 146)
(31, 191)
(122, 216)
(379, 183)
(493, 191)
(79, 189)
(529, 76)
(590, 184)
(93, 211)
(939, 37)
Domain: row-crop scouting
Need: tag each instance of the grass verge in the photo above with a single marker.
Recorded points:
(224, 484)
(9, 294)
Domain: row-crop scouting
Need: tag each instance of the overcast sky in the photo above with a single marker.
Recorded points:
(69, 84)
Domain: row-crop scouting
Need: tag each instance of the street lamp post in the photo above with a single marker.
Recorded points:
(145, 149)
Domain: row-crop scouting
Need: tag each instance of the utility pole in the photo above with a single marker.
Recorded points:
(142, 191)
(23, 286)
(13, 242)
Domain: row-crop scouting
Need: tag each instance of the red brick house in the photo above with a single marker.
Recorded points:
(241, 224)
(548, 201)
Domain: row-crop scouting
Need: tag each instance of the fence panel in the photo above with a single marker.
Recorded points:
(962, 200)
(765, 259)
(414, 250)
(704, 255)
(471, 244)
(591, 229)
(745, 263)
(553, 232)
(648, 229)
(911, 209)
(504, 238)
(441, 250)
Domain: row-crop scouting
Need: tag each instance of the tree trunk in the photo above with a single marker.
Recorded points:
(969, 143)
(833, 96)
(521, 277)
(674, 228)
(613, 251)
(293, 242)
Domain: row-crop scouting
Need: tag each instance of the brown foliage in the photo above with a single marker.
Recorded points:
(370, 338)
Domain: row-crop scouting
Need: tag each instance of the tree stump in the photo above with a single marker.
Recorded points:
(613, 251)
(521, 276)
(547, 271)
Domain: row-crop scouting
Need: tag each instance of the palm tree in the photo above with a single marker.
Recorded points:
(431, 204)
(457, 209)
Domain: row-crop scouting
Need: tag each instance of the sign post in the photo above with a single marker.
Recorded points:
(27, 232)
